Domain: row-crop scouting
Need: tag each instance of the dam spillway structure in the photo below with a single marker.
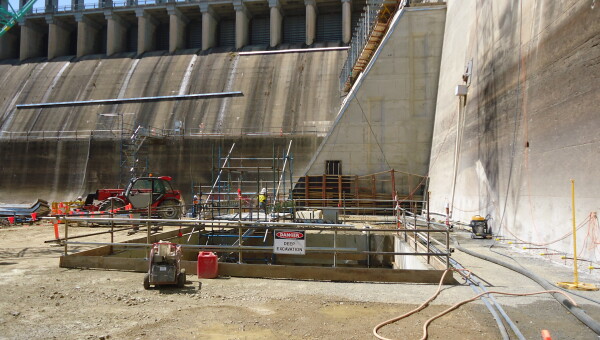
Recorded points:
(61, 61)
(482, 108)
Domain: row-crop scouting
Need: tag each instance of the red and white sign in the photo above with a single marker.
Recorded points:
(289, 242)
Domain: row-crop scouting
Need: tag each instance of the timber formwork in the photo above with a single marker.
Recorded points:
(374, 194)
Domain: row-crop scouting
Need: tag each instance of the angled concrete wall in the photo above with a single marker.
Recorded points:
(530, 120)
(386, 121)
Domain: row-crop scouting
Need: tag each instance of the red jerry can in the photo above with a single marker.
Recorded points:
(207, 265)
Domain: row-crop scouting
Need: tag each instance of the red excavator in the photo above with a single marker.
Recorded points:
(141, 192)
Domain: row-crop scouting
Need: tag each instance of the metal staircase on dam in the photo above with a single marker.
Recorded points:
(371, 29)
(132, 152)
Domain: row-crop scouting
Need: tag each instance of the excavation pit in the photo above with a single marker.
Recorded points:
(331, 253)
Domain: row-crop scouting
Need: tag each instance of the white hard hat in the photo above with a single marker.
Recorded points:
(263, 191)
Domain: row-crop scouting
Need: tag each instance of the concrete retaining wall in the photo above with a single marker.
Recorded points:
(530, 121)
(62, 170)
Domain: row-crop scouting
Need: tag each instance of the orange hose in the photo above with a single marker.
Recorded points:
(455, 306)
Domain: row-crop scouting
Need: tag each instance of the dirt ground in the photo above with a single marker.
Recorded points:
(39, 300)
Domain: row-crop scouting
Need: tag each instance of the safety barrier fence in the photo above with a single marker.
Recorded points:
(417, 235)
(119, 224)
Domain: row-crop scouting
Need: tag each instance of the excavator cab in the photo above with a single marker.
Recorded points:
(144, 191)
(156, 192)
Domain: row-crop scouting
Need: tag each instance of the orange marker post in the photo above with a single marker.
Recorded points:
(56, 235)
(546, 335)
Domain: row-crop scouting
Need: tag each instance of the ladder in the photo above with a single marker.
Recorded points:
(131, 153)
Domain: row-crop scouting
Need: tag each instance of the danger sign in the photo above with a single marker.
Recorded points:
(289, 242)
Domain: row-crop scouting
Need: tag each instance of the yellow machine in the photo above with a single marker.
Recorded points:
(479, 227)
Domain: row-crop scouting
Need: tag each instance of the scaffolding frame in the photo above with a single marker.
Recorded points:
(238, 179)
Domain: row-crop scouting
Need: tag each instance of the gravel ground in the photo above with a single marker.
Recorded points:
(39, 300)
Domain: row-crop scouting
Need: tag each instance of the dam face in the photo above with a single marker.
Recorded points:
(128, 50)
(505, 145)
(66, 151)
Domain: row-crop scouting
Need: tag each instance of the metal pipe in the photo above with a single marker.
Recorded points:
(177, 222)
(132, 100)
(112, 208)
(86, 235)
(575, 269)
(334, 247)
(66, 234)
(578, 312)
(261, 224)
(334, 207)
(296, 50)
(370, 200)
(240, 240)
(261, 248)
(474, 284)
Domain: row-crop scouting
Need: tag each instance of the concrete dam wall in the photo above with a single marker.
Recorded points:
(62, 170)
(57, 152)
(529, 122)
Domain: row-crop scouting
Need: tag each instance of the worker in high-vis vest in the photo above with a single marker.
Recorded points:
(262, 200)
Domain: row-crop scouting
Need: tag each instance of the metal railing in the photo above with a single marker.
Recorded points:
(417, 234)
(38, 10)
(360, 206)
(239, 247)
(58, 135)
(319, 130)
(103, 4)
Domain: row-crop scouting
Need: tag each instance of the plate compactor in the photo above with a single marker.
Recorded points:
(164, 268)
(479, 227)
